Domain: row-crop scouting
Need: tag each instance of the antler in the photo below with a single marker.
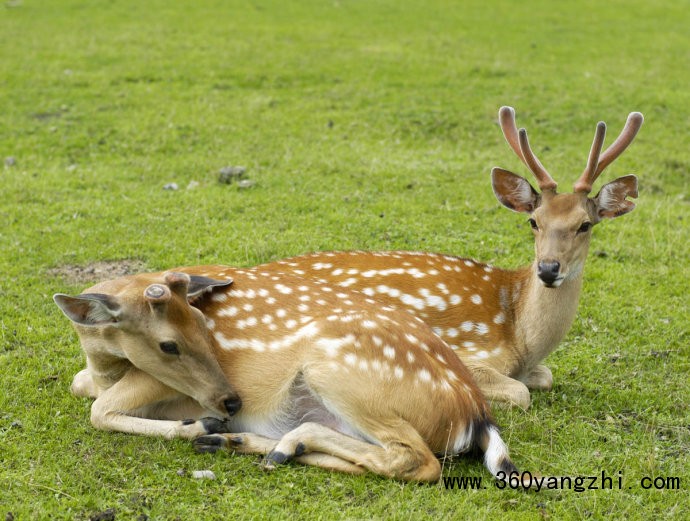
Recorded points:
(520, 145)
(597, 163)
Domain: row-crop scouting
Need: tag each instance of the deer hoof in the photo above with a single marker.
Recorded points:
(214, 425)
(208, 444)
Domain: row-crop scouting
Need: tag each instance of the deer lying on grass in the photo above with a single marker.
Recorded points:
(328, 378)
(501, 323)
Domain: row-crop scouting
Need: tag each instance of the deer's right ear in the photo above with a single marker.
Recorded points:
(514, 192)
(89, 309)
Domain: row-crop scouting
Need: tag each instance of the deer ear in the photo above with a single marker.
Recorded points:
(611, 200)
(89, 309)
(514, 192)
(199, 285)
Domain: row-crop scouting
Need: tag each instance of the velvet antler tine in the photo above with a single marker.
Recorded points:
(584, 184)
(632, 126)
(506, 117)
(544, 180)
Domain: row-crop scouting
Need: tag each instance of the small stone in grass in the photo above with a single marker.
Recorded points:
(228, 174)
(170, 186)
(10, 161)
(245, 183)
(203, 474)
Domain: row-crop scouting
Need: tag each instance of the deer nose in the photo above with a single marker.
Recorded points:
(232, 405)
(548, 271)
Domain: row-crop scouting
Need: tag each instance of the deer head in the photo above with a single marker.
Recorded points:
(161, 334)
(562, 223)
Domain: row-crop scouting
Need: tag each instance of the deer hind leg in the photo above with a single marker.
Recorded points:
(499, 388)
(539, 378)
(248, 443)
(400, 454)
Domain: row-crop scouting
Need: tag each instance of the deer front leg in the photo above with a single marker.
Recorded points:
(539, 378)
(83, 385)
(499, 388)
(114, 408)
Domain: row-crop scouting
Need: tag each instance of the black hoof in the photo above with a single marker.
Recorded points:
(214, 425)
(208, 444)
(300, 449)
(274, 458)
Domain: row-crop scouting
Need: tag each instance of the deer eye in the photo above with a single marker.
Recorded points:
(169, 348)
(584, 227)
(533, 223)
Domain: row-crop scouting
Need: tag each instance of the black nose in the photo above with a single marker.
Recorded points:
(232, 405)
(548, 271)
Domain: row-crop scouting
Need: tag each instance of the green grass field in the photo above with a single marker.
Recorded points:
(367, 125)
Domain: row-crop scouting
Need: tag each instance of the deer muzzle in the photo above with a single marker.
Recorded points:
(549, 273)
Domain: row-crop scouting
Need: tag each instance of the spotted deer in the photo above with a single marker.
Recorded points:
(326, 377)
(501, 323)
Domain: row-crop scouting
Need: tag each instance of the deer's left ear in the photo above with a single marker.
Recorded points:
(611, 200)
(514, 192)
(199, 285)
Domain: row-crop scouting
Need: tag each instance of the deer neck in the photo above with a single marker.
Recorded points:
(543, 315)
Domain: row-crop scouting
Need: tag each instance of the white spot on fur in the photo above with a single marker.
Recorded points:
(500, 318)
(411, 339)
(476, 299)
(389, 352)
(228, 312)
(437, 302)
(282, 288)
(424, 375)
(455, 300)
(333, 345)
(412, 301)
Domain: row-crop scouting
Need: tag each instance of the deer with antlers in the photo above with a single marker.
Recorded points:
(501, 323)
(326, 377)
